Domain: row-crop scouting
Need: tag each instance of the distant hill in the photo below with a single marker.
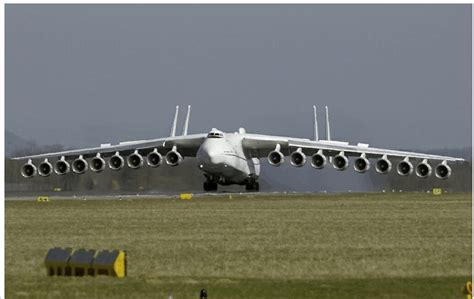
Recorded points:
(15, 144)
(18, 146)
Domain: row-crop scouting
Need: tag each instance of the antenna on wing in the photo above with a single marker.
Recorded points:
(328, 130)
(186, 121)
(173, 128)
(316, 137)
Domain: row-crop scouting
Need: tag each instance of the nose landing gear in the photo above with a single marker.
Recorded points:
(209, 186)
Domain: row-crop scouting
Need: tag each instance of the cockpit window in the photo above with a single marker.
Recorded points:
(215, 135)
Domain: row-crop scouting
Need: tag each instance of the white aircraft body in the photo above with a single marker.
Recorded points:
(234, 158)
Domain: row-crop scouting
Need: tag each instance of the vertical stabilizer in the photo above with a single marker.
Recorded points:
(316, 136)
(173, 127)
(186, 121)
(328, 129)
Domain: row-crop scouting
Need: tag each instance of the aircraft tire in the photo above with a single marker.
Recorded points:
(252, 186)
(209, 186)
(248, 186)
(206, 186)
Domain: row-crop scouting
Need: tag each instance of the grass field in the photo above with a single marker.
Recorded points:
(323, 246)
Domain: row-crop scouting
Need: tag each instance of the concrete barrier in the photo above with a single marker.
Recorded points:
(82, 262)
(112, 263)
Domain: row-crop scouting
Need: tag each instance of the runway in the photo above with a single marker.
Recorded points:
(159, 195)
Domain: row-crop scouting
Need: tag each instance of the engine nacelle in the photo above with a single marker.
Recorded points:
(173, 158)
(135, 160)
(423, 169)
(116, 162)
(443, 171)
(404, 167)
(297, 158)
(45, 168)
(62, 166)
(383, 165)
(276, 158)
(28, 170)
(340, 162)
(318, 160)
(361, 164)
(80, 165)
(97, 163)
(154, 159)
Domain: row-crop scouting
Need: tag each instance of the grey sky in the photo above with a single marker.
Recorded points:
(396, 76)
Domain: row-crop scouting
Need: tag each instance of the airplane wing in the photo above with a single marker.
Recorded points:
(187, 146)
(260, 146)
(174, 148)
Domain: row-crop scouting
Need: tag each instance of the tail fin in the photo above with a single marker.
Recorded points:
(186, 121)
(316, 136)
(173, 127)
(328, 129)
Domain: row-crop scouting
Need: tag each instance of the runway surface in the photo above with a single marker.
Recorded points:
(167, 195)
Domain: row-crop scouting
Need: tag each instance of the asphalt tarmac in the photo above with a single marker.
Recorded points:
(167, 195)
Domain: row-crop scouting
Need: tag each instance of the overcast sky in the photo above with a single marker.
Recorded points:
(395, 76)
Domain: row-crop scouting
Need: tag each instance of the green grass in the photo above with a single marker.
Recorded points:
(323, 246)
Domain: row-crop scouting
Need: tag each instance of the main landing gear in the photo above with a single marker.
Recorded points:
(252, 185)
(209, 186)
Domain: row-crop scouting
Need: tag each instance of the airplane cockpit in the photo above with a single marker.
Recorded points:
(214, 133)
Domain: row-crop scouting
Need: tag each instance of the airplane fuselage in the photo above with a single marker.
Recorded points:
(222, 159)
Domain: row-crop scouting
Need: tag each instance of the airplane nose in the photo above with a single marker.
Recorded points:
(214, 158)
(211, 154)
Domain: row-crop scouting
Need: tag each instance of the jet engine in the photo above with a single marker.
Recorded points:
(154, 159)
(28, 170)
(173, 158)
(340, 162)
(405, 167)
(97, 163)
(423, 169)
(361, 164)
(318, 160)
(443, 171)
(275, 158)
(135, 160)
(45, 168)
(62, 166)
(116, 162)
(79, 165)
(383, 165)
(297, 158)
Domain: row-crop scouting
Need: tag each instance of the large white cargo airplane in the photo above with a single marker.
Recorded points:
(233, 158)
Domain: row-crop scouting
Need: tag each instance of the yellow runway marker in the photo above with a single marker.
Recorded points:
(186, 196)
